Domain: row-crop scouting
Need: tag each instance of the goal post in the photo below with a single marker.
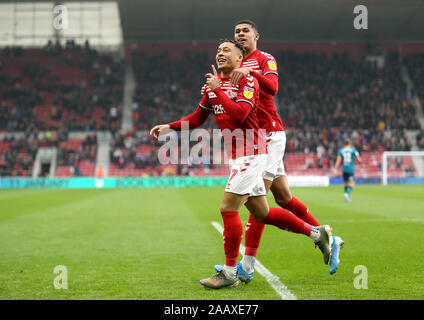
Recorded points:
(415, 169)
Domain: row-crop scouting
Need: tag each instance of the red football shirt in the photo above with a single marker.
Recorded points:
(242, 136)
(264, 63)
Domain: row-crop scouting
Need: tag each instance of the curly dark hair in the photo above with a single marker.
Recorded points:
(237, 44)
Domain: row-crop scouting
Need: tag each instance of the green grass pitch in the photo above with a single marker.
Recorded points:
(158, 243)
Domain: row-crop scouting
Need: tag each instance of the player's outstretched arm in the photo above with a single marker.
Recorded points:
(194, 120)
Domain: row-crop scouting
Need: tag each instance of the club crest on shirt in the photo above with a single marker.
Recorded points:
(272, 65)
(248, 92)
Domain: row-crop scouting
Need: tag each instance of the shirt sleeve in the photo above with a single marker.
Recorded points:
(248, 90)
(268, 83)
(245, 101)
(205, 103)
(269, 65)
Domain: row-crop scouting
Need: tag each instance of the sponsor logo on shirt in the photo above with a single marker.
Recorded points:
(211, 95)
(218, 109)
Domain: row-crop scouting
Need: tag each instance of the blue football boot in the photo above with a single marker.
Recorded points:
(335, 254)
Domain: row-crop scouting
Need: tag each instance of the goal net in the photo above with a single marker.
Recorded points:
(403, 167)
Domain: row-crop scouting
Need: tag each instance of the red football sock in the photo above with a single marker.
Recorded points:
(253, 236)
(233, 232)
(286, 220)
(301, 211)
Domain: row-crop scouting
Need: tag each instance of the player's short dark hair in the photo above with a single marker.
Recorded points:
(346, 142)
(237, 44)
(249, 22)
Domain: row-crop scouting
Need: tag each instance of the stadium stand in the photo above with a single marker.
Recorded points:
(415, 64)
(77, 157)
(321, 98)
(45, 89)
(17, 155)
(57, 90)
(167, 87)
(318, 91)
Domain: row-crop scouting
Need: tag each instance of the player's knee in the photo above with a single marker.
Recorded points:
(227, 207)
(223, 208)
(283, 200)
(260, 213)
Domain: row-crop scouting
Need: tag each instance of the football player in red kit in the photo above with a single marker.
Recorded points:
(235, 107)
(263, 67)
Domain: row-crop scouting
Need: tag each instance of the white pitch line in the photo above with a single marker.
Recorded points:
(273, 280)
(414, 220)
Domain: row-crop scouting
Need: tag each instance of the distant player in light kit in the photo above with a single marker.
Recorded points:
(346, 157)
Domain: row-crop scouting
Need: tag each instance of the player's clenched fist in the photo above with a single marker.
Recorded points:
(157, 130)
(212, 79)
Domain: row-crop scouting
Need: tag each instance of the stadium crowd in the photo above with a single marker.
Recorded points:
(69, 156)
(167, 88)
(124, 150)
(73, 88)
(323, 92)
(320, 100)
(17, 154)
(415, 64)
(56, 90)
